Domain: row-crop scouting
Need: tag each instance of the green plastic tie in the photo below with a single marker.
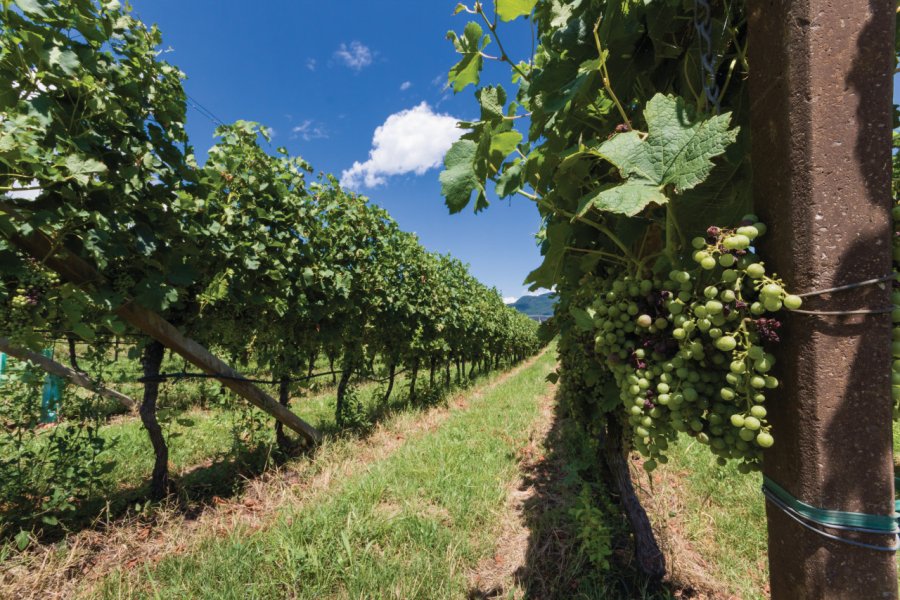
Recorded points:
(897, 501)
(887, 524)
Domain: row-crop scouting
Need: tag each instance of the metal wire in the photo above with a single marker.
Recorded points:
(842, 288)
(849, 286)
(203, 110)
(190, 375)
(708, 63)
(862, 311)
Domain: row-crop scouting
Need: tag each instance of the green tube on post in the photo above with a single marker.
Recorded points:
(52, 394)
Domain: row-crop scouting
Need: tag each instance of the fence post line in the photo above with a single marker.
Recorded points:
(820, 93)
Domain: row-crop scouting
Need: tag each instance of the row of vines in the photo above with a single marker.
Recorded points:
(628, 130)
(248, 254)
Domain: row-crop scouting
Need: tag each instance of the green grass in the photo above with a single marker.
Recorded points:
(197, 436)
(408, 527)
(719, 512)
(722, 515)
(210, 449)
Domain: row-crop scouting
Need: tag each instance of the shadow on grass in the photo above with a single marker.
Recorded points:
(218, 478)
(556, 564)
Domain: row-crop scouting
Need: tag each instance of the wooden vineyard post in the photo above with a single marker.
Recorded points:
(820, 92)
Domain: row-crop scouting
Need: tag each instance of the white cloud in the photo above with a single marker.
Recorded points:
(311, 64)
(509, 299)
(309, 130)
(356, 56)
(405, 86)
(410, 141)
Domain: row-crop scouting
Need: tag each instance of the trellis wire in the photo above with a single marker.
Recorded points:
(703, 26)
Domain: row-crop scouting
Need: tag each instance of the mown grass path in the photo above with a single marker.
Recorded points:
(410, 523)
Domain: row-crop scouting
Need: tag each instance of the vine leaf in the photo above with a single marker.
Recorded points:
(81, 169)
(32, 7)
(547, 275)
(480, 152)
(676, 153)
(458, 179)
(629, 198)
(584, 319)
(468, 70)
(66, 60)
(513, 9)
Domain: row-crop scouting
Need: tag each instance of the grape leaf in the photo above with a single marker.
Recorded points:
(81, 168)
(583, 319)
(66, 60)
(675, 155)
(513, 9)
(628, 198)
(546, 276)
(502, 144)
(458, 179)
(33, 7)
(468, 70)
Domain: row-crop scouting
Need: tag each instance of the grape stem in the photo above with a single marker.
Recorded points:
(604, 74)
(598, 226)
(492, 26)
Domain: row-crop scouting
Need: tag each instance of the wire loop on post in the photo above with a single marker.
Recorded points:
(841, 288)
(862, 311)
(812, 518)
(849, 286)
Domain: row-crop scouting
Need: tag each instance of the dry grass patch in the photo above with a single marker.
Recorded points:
(496, 576)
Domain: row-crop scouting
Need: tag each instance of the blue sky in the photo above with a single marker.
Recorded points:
(324, 76)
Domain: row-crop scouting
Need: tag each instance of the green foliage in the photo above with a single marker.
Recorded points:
(675, 155)
(640, 183)
(245, 253)
(468, 70)
(352, 414)
(509, 10)
(594, 535)
(45, 471)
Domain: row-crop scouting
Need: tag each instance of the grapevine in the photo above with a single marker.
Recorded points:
(246, 254)
(627, 129)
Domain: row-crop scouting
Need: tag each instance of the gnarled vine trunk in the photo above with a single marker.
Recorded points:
(284, 399)
(412, 381)
(346, 373)
(331, 368)
(391, 376)
(648, 557)
(73, 356)
(431, 375)
(160, 485)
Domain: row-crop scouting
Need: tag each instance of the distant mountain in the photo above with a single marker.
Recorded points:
(536, 306)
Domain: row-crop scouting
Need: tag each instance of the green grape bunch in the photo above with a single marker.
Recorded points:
(688, 351)
(29, 300)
